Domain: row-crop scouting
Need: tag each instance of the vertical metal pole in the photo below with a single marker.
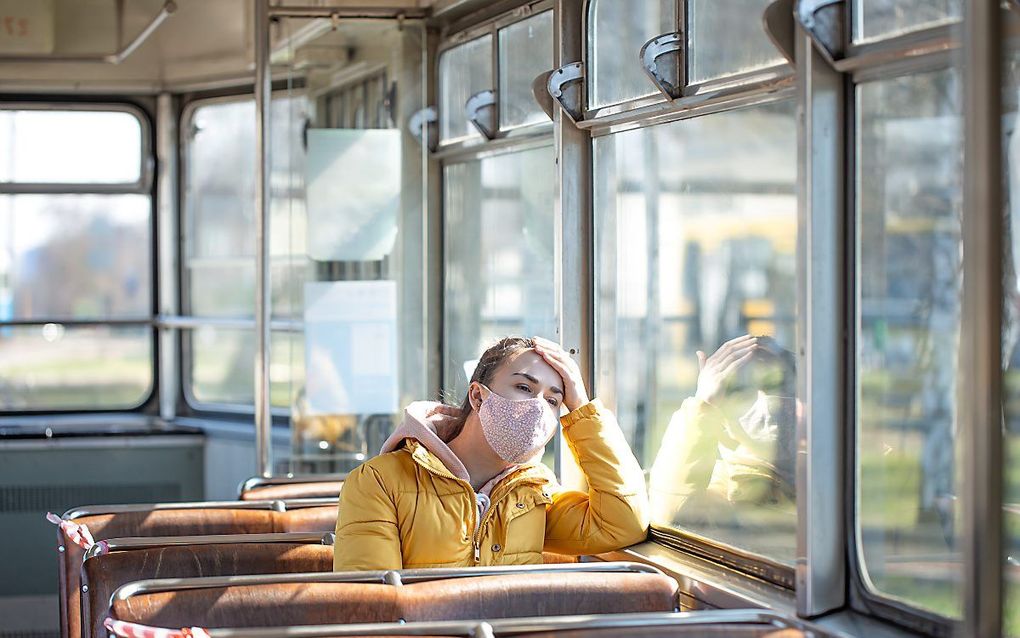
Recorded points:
(821, 281)
(575, 282)
(263, 309)
(168, 242)
(980, 396)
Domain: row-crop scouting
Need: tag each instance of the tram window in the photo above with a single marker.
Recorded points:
(218, 228)
(70, 147)
(525, 52)
(499, 255)
(617, 29)
(463, 71)
(67, 253)
(696, 231)
(727, 37)
(875, 19)
(909, 174)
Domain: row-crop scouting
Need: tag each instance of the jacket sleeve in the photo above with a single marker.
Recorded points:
(367, 537)
(687, 457)
(614, 512)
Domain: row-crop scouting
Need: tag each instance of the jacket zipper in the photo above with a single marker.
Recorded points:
(478, 521)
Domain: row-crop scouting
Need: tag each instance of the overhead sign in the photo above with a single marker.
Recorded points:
(26, 27)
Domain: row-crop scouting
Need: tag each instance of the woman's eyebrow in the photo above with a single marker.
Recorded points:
(527, 376)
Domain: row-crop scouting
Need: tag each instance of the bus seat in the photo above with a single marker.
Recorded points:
(178, 519)
(123, 560)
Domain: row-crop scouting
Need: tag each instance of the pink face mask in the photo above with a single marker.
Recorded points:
(516, 430)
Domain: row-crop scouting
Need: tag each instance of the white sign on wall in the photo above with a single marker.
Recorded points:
(351, 347)
(26, 27)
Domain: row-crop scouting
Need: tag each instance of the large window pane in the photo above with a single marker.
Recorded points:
(463, 71)
(875, 19)
(727, 37)
(617, 29)
(909, 175)
(222, 365)
(55, 367)
(75, 256)
(499, 256)
(525, 52)
(70, 147)
(696, 231)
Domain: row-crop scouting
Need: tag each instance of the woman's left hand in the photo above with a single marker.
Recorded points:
(574, 393)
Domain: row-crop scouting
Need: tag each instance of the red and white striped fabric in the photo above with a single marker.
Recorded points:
(77, 534)
(134, 630)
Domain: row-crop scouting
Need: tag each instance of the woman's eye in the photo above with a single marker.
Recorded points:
(552, 402)
(524, 388)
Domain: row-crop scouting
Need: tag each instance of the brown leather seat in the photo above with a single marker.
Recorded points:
(104, 573)
(318, 601)
(216, 518)
(312, 489)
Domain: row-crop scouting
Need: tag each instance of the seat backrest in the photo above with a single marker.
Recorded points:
(537, 594)
(444, 595)
(308, 489)
(277, 604)
(187, 557)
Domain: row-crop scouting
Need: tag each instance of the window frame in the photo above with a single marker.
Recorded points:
(685, 541)
(188, 322)
(144, 185)
(904, 55)
(457, 145)
(146, 170)
(772, 77)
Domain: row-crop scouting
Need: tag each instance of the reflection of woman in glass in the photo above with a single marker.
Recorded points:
(729, 451)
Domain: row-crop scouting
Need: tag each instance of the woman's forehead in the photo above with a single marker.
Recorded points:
(531, 363)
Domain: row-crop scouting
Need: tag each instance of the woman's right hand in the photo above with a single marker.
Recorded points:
(724, 362)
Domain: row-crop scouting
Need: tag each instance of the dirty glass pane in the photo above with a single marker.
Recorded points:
(499, 256)
(691, 255)
(525, 52)
(617, 29)
(876, 19)
(727, 37)
(463, 71)
(908, 176)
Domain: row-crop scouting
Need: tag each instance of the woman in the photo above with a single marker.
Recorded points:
(461, 487)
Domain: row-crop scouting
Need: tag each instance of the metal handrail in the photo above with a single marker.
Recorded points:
(516, 626)
(277, 505)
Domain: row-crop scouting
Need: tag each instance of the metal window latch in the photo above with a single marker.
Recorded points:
(481, 111)
(823, 20)
(780, 27)
(424, 126)
(662, 59)
(565, 85)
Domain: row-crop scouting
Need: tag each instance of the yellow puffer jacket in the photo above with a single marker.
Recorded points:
(406, 509)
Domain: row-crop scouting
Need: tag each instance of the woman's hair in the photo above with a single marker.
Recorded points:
(488, 363)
